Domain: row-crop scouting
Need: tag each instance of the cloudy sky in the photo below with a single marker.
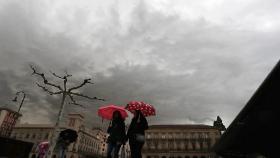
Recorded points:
(193, 60)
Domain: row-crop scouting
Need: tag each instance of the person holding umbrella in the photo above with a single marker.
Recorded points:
(138, 125)
(117, 135)
(116, 129)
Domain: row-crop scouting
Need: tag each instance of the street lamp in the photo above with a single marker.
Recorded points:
(15, 99)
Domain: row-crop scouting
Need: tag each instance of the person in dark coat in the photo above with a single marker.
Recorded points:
(136, 134)
(117, 135)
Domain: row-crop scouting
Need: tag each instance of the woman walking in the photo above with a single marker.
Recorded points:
(136, 134)
(117, 135)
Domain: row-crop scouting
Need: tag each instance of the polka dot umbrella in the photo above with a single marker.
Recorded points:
(146, 109)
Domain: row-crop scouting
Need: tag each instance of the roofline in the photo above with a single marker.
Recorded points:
(37, 126)
(249, 105)
(76, 114)
(194, 126)
(10, 110)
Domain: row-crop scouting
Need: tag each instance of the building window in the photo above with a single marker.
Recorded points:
(187, 135)
(46, 136)
(72, 122)
(193, 146)
(181, 135)
(27, 136)
(170, 135)
(39, 136)
(19, 136)
(33, 136)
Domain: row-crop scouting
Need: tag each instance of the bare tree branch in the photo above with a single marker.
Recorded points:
(44, 78)
(54, 74)
(65, 83)
(81, 85)
(85, 96)
(74, 101)
(67, 75)
(47, 90)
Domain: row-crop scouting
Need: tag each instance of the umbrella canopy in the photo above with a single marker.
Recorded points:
(43, 144)
(146, 109)
(106, 112)
(43, 148)
(69, 134)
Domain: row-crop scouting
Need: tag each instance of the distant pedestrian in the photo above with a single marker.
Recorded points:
(117, 135)
(136, 134)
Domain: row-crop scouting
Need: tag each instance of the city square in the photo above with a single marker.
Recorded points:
(139, 78)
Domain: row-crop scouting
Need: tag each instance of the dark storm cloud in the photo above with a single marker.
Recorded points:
(191, 69)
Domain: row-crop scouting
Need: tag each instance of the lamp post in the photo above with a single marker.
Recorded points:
(15, 99)
(16, 115)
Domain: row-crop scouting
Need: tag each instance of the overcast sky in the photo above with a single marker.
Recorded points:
(192, 60)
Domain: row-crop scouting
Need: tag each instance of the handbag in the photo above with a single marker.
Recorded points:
(140, 138)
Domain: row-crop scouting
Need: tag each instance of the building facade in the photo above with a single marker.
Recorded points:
(88, 144)
(8, 119)
(180, 141)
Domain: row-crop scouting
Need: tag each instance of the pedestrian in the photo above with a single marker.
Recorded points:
(117, 135)
(136, 134)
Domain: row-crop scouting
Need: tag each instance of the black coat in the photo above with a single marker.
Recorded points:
(116, 132)
(137, 127)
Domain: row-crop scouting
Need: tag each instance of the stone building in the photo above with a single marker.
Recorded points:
(180, 141)
(89, 142)
(8, 119)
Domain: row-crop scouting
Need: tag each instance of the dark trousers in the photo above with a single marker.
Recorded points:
(113, 147)
(135, 149)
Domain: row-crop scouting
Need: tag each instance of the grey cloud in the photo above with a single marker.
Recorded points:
(191, 70)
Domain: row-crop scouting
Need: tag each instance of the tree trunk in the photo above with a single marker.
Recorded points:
(54, 137)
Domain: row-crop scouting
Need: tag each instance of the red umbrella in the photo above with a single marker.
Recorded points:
(146, 109)
(106, 112)
(43, 148)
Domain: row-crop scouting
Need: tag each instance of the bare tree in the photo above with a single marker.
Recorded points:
(64, 91)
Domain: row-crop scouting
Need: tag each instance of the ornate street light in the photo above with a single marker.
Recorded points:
(15, 99)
